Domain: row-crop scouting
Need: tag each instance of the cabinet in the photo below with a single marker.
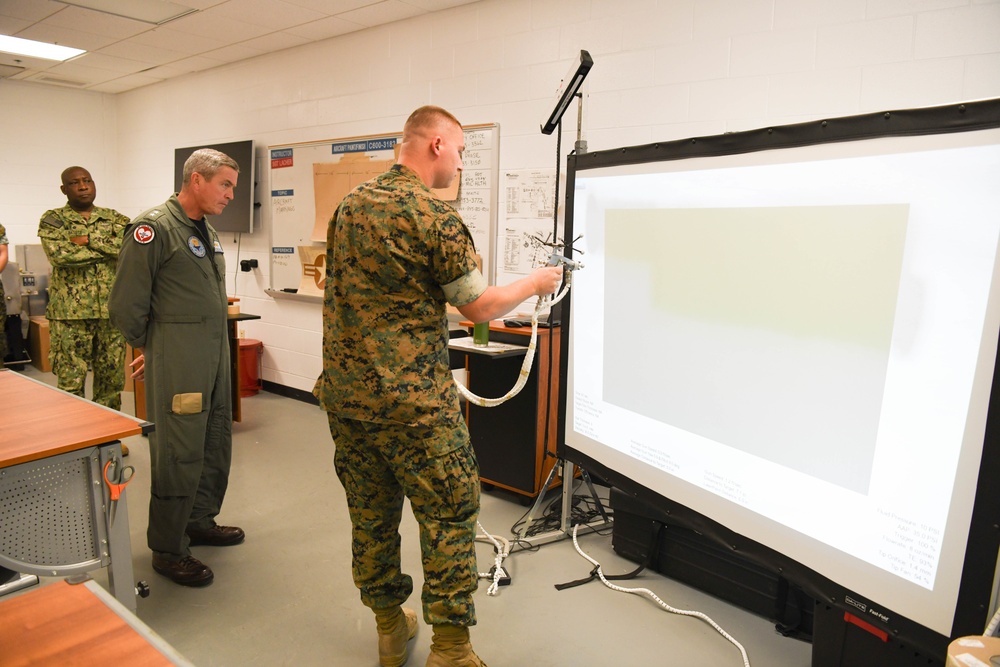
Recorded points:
(515, 442)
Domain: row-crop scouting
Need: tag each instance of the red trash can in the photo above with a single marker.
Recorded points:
(251, 358)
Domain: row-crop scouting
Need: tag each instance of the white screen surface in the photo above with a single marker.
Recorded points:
(799, 344)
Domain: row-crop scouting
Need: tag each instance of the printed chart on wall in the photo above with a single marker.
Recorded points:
(308, 181)
(526, 227)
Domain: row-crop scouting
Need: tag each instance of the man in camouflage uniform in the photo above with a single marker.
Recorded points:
(82, 243)
(396, 256)
(169, 299)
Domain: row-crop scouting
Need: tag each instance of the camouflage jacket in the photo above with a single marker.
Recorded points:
(81, 275)
(392, 248)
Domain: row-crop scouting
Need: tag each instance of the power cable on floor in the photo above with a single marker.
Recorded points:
(650, 594)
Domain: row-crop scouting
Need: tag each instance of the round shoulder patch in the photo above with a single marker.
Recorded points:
(143, 234)
(196, 246)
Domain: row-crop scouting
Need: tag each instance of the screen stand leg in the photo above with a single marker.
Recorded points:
(566, 522)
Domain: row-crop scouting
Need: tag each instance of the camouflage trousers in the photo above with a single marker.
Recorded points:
(75, 346)
(379, 464)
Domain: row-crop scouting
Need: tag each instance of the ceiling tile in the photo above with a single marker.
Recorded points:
(324, 28)
(185, 66)
(30, 10)
(211, 23)
(436, 5)
(128, 82)
(273, 14)
(110, 63)
(221, 31)
(175, 40)
(276, 41)
(54, 34)
(144, 53)
(333, 7)
(10, 25)
(85, 73)
(97, 23)
(25, 61)
(386, 11)
(233, 53)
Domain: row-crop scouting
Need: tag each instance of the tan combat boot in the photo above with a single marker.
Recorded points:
(396, 626)
(450, 647)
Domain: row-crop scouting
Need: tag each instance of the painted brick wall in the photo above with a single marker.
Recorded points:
(663, 70)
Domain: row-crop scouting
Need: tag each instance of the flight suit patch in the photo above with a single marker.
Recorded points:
(143, 234)
(218, 247)
(196, 247)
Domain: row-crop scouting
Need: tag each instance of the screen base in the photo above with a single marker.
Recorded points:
(647, 535)
(838, 641)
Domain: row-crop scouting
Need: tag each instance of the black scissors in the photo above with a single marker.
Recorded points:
(117, 478)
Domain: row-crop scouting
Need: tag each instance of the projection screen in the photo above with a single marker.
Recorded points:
(793, 332)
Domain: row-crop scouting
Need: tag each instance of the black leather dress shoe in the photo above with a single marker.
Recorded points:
(188, 571)
(216, 536)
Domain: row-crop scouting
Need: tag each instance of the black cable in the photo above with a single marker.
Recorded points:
(583, 510)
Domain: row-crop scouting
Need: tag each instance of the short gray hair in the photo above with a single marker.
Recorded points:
(207, 162)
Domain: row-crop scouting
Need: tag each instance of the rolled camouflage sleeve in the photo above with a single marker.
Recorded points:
(466, 289)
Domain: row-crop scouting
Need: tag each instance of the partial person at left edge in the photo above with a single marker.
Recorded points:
(169, 299)
(82, 242)
(3, 297)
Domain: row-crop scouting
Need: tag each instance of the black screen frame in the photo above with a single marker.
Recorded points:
(980, 561)
(238, 215)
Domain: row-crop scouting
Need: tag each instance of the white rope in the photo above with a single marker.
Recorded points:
(544, 302)
(652, 595)
(522, 378)
(501, 553)
(991, 629)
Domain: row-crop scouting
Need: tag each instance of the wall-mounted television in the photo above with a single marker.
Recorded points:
(791, 335)
(238, 214)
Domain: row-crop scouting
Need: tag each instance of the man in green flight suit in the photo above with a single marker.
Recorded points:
(169, 299)
(82, 242)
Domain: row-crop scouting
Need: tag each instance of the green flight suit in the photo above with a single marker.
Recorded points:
(169, 297)
(82, 337)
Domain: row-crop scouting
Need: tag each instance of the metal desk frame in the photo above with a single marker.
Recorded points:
(54, 504)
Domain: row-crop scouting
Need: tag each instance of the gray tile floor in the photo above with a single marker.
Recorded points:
(285, 596)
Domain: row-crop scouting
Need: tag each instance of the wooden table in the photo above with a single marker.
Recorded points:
(77, 624)
(54, 503)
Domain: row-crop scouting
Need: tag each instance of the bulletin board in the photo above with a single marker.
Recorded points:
(308, 181)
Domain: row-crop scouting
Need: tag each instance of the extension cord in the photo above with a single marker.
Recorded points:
(504, 579)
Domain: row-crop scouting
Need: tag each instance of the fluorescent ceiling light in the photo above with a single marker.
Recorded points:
(156, 12)
(33, 49)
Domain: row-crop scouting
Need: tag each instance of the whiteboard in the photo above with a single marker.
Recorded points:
(308, 180)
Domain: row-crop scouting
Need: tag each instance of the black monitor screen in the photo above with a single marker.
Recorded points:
(238, 215)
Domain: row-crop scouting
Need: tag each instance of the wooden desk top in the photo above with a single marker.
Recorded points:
(38, 421)
(498, 325)
(63, 624)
